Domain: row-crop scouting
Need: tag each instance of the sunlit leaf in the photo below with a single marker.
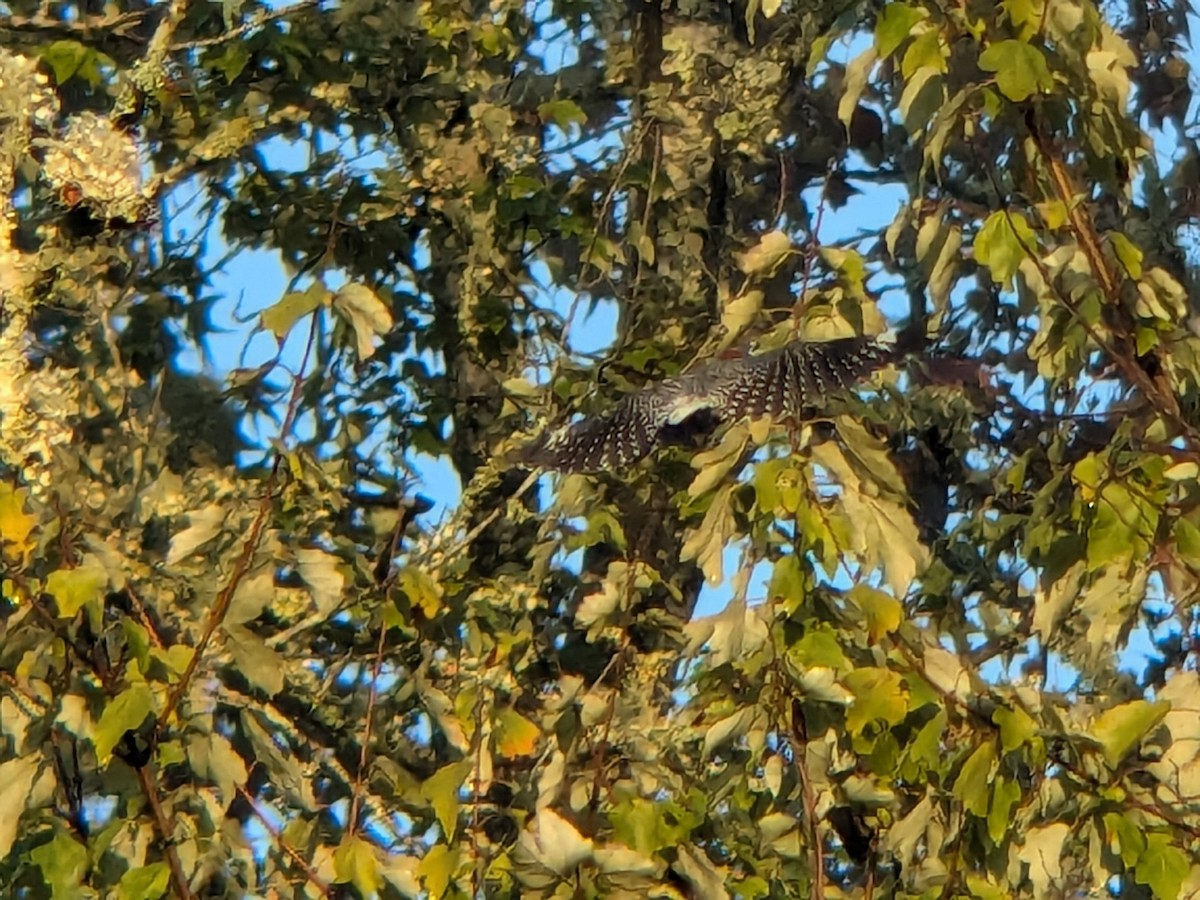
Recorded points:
(15, 524)
(442, 789)
(145, 883)
(1020, 68)
(971, 786)
(765, 257)
(63, 862)
(514, 734)
(125, 712)
(895, 23)
(72, 589)
(355, 862)
(367, 314)
(291, 308)
(879, 696)
(1121, 728)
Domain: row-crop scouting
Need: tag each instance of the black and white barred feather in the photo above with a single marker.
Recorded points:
(783, 384)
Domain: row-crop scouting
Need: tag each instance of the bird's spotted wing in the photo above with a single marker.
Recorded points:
(801, 375)
(615, 440)
(782, 384)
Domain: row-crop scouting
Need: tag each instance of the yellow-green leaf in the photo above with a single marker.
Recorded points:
(514, 734)
(881, 611)
(1016, 727)
(15, 524)
(421, 590)
(441, 791)
(894, 25)
(879, 695)
(765, 257)
(291, 308)
(144, 883)
(1005, 795)
(72, 589)
(63, 861)
(971, 785)
(437, 869)
(1122, 728)
(1163, 866)
(355, 862)
(125, 712)
(1004, 240)
(1020, 68)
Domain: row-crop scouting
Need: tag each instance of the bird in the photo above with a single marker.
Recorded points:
(783, 383)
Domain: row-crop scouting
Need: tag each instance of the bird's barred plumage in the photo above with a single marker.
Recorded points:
(783, 384)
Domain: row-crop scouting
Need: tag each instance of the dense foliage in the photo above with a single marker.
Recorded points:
(240, 656)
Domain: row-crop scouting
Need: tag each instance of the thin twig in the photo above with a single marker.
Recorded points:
(277, 836)
(468, 539)
(219, 609)
(584, 285)
(782, 197)
(256, 22)
(150, 789)
(1132, 370)
(814, 247)
(800, 735)
(364, 750)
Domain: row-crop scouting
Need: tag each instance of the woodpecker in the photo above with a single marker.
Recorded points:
(783, 384)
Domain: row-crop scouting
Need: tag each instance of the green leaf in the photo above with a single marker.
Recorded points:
(65, 59)
(765, 257)
(354, 861)
(63, 861)
(1016, 727)
(232, 61)
(563, 113)
(367, 314)
(881, 611)
(789, 583)
(1122, 728)
(291, 308)
(924, 752)
(441, 790)
(971, 785)
(1001, 244)
(421, 590)
(72, 589)
(1020, 69)
(1025, 15)
(652, 825)
(1162, 867)
(925, 52)
(1125, 836)
(879, 695)
(1187, 540)
(144, 883)
(125, 712)
(1128, 253)
(1005, 795)
(817, 649)
(437, 869)
(894, 25)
